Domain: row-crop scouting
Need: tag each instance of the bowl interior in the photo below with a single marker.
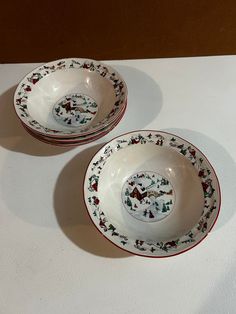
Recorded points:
(53, 100)
(150, 192)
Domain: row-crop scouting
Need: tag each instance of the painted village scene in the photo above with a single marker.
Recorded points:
(75, 110)
(148, 196)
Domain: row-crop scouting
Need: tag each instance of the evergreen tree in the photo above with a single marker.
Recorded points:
(129, 203)
(164, 209)
(156, 206)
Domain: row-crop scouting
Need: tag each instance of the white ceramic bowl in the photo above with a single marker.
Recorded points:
(70, 97)
(152, 193)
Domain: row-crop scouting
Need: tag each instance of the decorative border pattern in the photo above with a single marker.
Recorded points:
(30, 81)
(205, 172)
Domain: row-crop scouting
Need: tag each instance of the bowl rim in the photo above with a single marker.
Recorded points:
(91, 63)
(148, 255)
(77, 142)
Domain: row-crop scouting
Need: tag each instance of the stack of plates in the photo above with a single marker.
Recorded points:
(71, 101)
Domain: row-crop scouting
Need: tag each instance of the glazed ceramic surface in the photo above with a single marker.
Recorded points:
(70, 97)
(152, 193)
(79, 140)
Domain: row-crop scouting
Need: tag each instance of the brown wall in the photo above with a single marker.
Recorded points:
(46, 30)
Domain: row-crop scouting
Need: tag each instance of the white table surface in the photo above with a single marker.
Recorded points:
(52, 258)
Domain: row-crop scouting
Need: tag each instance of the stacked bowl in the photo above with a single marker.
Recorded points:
(71, 101)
